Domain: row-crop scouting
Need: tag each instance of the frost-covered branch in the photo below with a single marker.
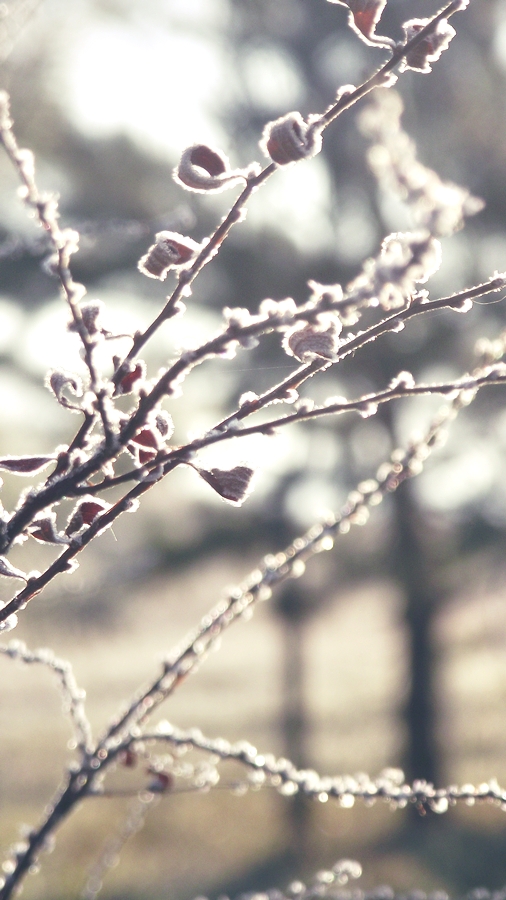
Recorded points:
(73, 695)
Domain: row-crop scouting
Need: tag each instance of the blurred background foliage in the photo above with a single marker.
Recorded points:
(390, 651)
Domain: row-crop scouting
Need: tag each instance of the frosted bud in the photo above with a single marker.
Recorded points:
(430, 48)
(290, 138)
(170, 250)
(26, 160)
(248, 398)
(90, 313)
(310, 340)
(164, 423)
(403, 381)
(203, 169)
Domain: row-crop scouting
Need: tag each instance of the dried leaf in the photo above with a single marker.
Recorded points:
(170, 250)
(231, 484)
(44, 530)
(25, 465)
(10, 571)
(84, 514)
(58, 381)
(126, 384)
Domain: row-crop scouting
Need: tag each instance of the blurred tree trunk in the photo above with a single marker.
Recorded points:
(412, 569)
(292, 612)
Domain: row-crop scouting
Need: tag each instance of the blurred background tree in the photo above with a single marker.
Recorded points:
(390, 650)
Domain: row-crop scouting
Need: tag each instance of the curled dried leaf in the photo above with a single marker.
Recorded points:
(204, 169)
(58, 381)
(305, 341)
(170, 251)
(290, 139)
(145, 445)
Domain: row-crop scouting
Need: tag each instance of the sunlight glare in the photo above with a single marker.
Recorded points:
(158, 87)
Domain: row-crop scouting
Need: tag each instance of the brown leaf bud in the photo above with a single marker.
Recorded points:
(290, 139)
(430, 48)
(170, 251)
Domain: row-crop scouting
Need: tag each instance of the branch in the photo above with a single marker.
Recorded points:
(276, 569)
(282, 774)
(236, 214)
(73, 695)
(64, 243)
